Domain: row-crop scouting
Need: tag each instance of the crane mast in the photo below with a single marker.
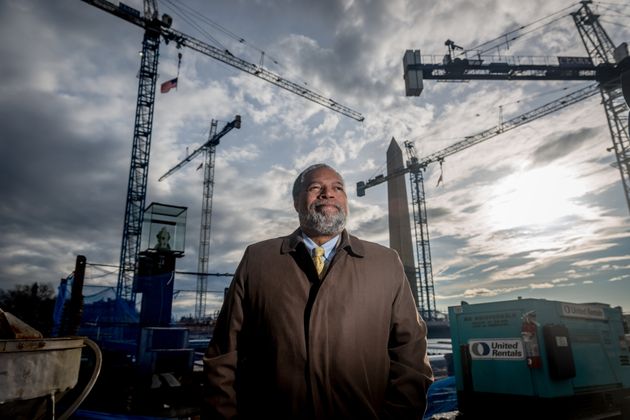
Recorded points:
(424, 270)
(601, 50)
(208, 149)
(150, 9)
(205, 230)
(154, 28)
(139, 169)
(597, 43)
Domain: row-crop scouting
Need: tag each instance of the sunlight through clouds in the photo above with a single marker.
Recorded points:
(537, 197)
(536, 206)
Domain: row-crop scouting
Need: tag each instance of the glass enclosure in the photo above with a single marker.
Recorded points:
(164, 228)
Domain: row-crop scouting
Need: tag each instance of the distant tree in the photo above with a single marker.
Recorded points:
(32, 304)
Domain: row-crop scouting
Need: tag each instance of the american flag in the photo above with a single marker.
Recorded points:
(168, 85)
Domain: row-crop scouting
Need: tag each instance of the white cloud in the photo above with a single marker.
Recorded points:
(517, 210)
(541, 285)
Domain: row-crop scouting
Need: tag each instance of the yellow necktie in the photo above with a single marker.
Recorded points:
(318, 259)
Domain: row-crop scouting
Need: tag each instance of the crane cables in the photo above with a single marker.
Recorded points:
(597, 3)
(191, 15)
(505, 40)
(185, 16)
(530, 97)
(613, 13)
(539, 112)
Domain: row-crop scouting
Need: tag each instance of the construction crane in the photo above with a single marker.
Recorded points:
(209, 151)
(416, 167)
(424, 271)
(156, 28)
(605, 63)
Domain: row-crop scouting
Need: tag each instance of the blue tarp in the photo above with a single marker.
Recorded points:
(62, 295)
(441, 397)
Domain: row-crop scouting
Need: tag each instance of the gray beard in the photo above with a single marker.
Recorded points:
(321, 223)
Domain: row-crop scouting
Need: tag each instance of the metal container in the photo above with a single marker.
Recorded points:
(541, 355)
(32, 368)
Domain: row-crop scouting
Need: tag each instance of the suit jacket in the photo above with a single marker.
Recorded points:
(290, 346)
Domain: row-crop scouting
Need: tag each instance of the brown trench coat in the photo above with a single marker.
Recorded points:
(289, 346)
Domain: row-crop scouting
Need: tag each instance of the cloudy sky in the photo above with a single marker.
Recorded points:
(536, 212)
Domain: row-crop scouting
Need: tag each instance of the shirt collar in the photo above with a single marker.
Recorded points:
(351, 244)
(328, 246)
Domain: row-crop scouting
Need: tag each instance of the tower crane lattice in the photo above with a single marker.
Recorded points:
(424, 270)
(209, 151)
(203, 262)
(154, 29)
(605, 63)
(416, 166)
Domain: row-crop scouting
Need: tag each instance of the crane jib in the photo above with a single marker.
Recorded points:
(541, 111)
(163, 27)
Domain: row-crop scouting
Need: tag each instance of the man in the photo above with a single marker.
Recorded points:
(290, 343)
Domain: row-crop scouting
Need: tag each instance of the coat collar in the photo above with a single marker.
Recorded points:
(350, 243)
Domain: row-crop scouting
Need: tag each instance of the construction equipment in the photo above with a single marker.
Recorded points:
(606, 64)
(421, 231)
(209, 151)
(154, 29)
(415, 168)
(538, 358)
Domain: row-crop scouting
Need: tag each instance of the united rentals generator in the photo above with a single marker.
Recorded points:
(535, 358)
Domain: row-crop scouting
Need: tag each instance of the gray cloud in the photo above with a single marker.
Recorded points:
(562, 146)
(435, 213)
(67, 104)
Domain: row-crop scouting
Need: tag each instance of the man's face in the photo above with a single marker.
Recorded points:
(322, 205)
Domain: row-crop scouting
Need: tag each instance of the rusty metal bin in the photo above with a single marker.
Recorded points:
(42, 369)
